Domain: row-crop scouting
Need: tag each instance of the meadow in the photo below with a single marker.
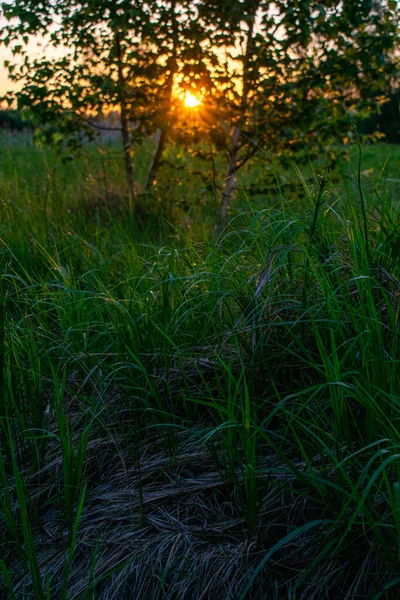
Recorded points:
(195, 412)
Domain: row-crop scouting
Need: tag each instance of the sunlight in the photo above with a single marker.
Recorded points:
(191, 101)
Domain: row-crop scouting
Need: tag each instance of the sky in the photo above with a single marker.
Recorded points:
(4, 55)
(5, 83)
(35, 47)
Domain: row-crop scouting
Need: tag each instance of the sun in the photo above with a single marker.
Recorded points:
(191, 101)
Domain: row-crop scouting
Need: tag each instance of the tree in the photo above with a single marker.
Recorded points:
(12, 120)
(124, 55)
(173, 41)
(294, 70)
(385, 122)
(275, 74)
(101, 56)
(183, 50)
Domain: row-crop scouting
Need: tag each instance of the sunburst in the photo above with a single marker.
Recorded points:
(191, 101)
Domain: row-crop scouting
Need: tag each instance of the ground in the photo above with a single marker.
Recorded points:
(194, 413)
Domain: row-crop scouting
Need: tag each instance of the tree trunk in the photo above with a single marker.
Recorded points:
(231, 176)
(124, 114)
(162, 139)
(126, 141)
(160, 145)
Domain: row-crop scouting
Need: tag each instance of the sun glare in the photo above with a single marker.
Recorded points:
(191, 101)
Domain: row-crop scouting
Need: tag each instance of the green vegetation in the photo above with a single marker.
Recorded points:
(185, 415)
(12, 120)
(262, 73)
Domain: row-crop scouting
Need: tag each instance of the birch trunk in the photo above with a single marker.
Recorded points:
(126, 141)
(155, 162)
(231, 178)
(231, 175)
(162, 139)
(125, 132)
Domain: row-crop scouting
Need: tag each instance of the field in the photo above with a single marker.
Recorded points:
(190, 412)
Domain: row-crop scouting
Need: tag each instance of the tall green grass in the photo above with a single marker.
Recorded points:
(189, 417)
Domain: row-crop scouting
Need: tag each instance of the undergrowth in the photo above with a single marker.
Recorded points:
(208, 418)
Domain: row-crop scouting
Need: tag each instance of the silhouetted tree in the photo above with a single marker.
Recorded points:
(290, 72)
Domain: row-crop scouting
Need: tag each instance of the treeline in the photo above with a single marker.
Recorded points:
(277, 76)
(385, 120)
(13, 120)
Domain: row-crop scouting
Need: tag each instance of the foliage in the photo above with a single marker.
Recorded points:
(102, 56)
(273, 75)
(13, 120)
(385, 120)
(295, 71)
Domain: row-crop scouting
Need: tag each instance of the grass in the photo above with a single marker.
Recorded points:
(198, 416)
